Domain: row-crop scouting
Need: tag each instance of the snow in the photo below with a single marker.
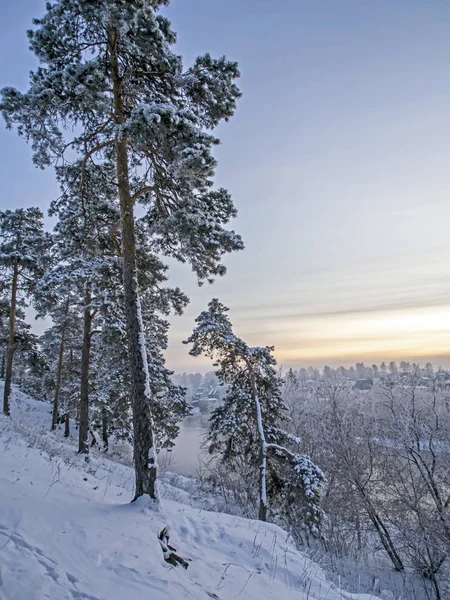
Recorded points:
(68, 532)
(143, 347)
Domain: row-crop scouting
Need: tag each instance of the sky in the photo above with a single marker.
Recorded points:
(338, 161)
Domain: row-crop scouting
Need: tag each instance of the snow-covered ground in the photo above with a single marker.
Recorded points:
(68, 532)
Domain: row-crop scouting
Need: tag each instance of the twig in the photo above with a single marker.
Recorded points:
(245, 584)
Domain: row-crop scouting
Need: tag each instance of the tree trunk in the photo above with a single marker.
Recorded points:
(2, 376)
(10, 349)
(383, 532)
(143, 437)
(262, 513)
(105, 430)
(67, 426)
(59, 370)
(386, 541)
(83, 437)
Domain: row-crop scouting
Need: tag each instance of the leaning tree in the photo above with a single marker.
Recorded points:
(107, 72)
(248, 426)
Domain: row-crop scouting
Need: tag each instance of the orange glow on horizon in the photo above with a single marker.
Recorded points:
(423, 332)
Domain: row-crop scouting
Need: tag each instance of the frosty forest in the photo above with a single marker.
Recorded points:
(309, 483)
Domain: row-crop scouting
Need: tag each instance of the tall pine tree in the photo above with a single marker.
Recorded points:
(107, 69)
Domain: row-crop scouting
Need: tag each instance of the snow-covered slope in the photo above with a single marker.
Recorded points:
(68, 532)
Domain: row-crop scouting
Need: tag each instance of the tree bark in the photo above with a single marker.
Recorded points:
(2, 376)
(143, 434)
(383, 532)
(10, 349)
(59, 369)
(67, 426)
(262, 513)
(386, 541)
(105, 430)
(83, 437)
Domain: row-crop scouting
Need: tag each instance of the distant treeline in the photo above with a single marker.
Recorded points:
(192, 381)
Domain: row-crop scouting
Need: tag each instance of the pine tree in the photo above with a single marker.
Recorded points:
(27, 357)
(23, 253)
(24, 340)
(111, 386)
(83, 252)
(88, 266)
(61, 345)
(62, 319)
(107, 68)
(248, 425)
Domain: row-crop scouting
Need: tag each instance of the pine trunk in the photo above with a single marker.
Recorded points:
(2, 376)
(143, 437)
(105, 430)
(59, 370)
(10, 349)
(67, 426)
(83, 439)
(262, 513)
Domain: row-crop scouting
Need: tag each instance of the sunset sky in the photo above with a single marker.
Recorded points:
(338, 159)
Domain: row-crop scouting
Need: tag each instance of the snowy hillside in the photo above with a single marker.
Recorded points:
(68, 532)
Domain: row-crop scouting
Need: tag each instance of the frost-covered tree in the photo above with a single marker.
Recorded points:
(23, 254)
(61, 346)
(416, 421)
(27, 358)
(30, 366)
(59, 297)
(24, 340)
(248, 426)
(107, 71)
(111, 377)
(88, 274)
(87, 256)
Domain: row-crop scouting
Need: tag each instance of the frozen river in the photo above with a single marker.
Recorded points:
(184, 457)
